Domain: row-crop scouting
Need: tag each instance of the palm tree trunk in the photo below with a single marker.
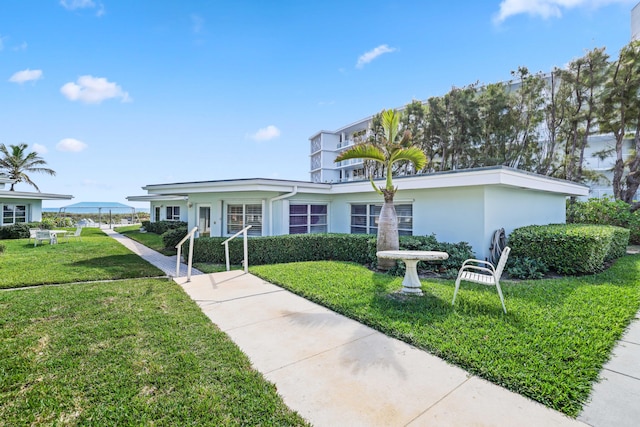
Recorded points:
(388, 238)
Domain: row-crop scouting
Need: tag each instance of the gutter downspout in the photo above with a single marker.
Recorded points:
(284, 196)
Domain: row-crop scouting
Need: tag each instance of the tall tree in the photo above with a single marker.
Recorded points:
(581, 84)
(393, 146)
(620, 113)
(16, 162)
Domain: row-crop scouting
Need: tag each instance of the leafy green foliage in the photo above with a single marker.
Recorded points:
(125, 353)
(161, 227)
(525, 268)
(570, 248)
(360, 248)
(172, 237)
(550, 346)
(605, 211)
(458, 253)
(19, 230)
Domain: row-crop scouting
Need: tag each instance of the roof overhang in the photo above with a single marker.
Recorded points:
(33, 196)
(497, 175)
(156, 197)
(235, 185)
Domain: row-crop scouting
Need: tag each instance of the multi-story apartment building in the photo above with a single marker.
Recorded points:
(327, 145)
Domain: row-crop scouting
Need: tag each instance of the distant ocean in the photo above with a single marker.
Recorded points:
(95, 210)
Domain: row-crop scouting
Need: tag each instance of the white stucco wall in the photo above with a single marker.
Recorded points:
(34, 208)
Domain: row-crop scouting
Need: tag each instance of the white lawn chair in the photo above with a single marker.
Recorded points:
(32, 233)
(77, 234)
(43, 235)
(483, 272)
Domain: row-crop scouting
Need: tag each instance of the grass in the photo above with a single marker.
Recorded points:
(96, 257)
(129, 352)
(550, 346)
(150, 240)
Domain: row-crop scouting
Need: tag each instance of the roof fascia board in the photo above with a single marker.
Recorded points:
(33, 196)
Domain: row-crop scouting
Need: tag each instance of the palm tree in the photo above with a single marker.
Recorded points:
(16, 162)
(391, 148)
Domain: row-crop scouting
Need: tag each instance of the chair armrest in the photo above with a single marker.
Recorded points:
(478, 268)
(478, 261)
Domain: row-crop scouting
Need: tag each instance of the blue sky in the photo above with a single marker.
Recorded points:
(117, 94)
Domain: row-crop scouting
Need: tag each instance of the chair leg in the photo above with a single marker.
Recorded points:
(455, 292)
(501, 297)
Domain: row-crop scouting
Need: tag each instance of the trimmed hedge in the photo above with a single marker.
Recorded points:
(358, 248)
(161, 227)
(17, 231)
(172, 237)
(570, 248)
(605, 211)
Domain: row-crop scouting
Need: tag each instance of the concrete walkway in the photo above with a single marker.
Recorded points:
(165, 263)
(335, 371)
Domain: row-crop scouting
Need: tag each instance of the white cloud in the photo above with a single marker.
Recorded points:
(93, 90)
(545, 8)
(197, 24)
(265, 134)
(21, 46)
(26, 76)
(373, 54)
(77, 4)
(40, 149)
(70, 144)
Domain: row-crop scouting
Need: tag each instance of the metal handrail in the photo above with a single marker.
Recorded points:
(189, 236)
(245, 261)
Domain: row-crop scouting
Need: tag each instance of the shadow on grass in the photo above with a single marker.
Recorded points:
(119, 266)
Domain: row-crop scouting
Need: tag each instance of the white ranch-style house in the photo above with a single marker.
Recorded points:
(466, 205)
(22, 206)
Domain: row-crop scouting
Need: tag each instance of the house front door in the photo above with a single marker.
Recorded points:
(204, 221)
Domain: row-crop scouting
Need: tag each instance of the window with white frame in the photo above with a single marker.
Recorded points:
(307, 218)
(156, 213)
(12, 214)
(364, 219)
(241, 215)
(173, 213)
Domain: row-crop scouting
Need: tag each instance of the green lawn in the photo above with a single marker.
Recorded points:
(550, 346)
(150, 240)
(127, 353)
(96, 257)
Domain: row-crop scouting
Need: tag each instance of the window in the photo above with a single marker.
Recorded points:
(173, 213)
(305, 219)
(239, 216)
(156, 216)
(12, 214)
(364, 219)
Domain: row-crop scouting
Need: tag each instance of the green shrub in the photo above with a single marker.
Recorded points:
(48, 223)
(358, 248)
(525, 268)
(458, 253)
(172, 237)
(570, 248)
(605, 211)
(161, 227)
(15, 231)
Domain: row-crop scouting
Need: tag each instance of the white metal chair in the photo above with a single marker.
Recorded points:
(43, 235)
(32, 233)
(76, 234)
(483, 272)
